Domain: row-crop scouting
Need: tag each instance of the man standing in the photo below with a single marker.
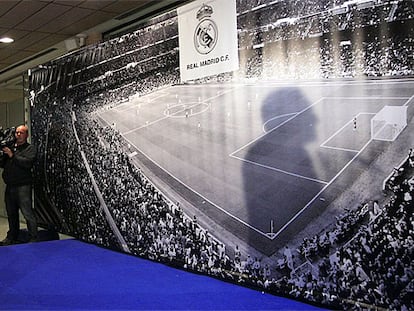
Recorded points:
(17, 165)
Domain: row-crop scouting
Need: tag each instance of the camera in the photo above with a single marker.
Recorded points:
(7, 137)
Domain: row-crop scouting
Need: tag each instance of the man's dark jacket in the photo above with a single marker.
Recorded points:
(18, 169)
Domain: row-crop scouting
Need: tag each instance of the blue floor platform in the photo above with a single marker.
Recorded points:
(72, 275)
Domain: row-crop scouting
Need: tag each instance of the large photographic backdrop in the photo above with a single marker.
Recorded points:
(290, 171)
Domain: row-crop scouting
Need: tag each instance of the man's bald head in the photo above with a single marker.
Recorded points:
(22, 132)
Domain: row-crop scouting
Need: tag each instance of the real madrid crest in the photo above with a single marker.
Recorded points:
(206, 34)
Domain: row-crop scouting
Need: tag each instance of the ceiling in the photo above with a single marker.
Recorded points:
(45, 29)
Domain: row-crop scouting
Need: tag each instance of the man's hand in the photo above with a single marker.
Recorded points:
(8, 151)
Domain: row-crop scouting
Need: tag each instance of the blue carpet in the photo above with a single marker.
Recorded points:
(69, 275)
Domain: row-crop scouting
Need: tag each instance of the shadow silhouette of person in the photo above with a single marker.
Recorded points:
(278, 172)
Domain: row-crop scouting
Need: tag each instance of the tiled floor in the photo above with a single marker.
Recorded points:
(4, 227)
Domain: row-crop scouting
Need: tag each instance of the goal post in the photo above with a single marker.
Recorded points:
(388, 123)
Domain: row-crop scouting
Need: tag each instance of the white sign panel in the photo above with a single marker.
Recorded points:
(207, 38)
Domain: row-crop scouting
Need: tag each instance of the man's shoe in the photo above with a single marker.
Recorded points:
(32, 240)
(7, 241)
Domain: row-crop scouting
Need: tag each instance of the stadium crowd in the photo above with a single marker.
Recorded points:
(360, 41)
(62, 178)
(366, 258)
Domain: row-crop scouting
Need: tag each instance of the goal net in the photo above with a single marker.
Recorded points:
(388, 123)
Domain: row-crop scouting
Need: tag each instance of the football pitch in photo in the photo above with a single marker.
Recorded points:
(262, 160)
